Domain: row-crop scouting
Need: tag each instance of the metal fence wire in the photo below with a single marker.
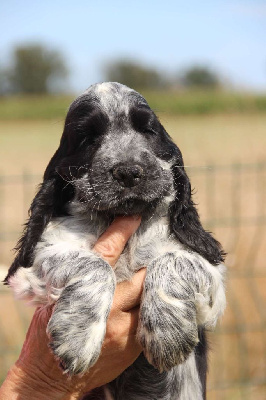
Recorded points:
(232, 204)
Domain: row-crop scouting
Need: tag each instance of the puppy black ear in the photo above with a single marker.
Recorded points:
(48, 202)
(185, 222)
(41, 211)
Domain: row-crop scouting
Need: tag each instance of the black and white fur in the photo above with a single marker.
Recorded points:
(115, 158)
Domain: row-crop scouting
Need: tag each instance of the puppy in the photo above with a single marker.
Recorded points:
(115, 158)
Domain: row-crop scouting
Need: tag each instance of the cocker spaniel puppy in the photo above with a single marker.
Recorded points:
(115, 158)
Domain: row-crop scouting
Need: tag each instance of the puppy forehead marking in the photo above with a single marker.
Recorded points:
(107, 87)
(114, 97)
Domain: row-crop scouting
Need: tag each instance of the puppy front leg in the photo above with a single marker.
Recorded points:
(168, 325)
(182, 292)
(78, 323)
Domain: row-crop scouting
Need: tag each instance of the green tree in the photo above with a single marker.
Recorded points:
(4, 82)
(36, 69)
(200, 77)
(134, 75)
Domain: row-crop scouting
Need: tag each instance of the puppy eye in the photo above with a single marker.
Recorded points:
(83, 140)
(149, 130)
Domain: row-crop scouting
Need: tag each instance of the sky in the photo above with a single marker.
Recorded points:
(170, 35)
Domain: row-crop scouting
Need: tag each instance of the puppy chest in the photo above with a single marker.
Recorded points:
(142, 249)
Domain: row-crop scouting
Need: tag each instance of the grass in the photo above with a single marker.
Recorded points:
(213, 139)
(34, 107)
(207, 102)
(173, 102)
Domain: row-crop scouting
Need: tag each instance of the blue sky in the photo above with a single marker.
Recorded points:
(230, 36)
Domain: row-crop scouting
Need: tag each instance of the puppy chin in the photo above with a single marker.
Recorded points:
(132, 206)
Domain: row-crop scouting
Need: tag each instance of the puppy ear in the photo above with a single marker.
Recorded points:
(41, 211)
(185, 222)
(48, 202)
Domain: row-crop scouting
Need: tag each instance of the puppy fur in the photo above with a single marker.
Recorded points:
(115, 158)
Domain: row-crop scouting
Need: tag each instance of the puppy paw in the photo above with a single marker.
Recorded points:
(76, 343)
(78, 323)
(168, 328)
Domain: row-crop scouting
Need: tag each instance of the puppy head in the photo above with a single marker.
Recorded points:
(114, 158)
(115, 154)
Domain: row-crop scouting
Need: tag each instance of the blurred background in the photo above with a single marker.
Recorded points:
(202, 68)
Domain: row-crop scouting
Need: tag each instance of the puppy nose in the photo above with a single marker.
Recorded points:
(128, 176)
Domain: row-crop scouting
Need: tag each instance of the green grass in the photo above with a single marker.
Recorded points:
(34, 107)
(208, 102)
(171, 102)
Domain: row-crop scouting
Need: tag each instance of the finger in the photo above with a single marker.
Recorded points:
(112, 242)
(128, 294)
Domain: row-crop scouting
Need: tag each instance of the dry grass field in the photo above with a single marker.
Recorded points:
(233, 197)
(204, 140)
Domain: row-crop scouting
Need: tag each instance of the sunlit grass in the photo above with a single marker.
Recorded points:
(205, 102)
(173, 102)
(203, 139)
(34, 107)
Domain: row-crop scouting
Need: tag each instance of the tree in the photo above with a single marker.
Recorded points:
(134, 75)
(4, 81)
(35, 69)
(201, 77)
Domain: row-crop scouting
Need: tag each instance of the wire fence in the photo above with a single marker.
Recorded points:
(232, 204)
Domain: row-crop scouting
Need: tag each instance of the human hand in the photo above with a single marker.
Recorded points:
(37, 373)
